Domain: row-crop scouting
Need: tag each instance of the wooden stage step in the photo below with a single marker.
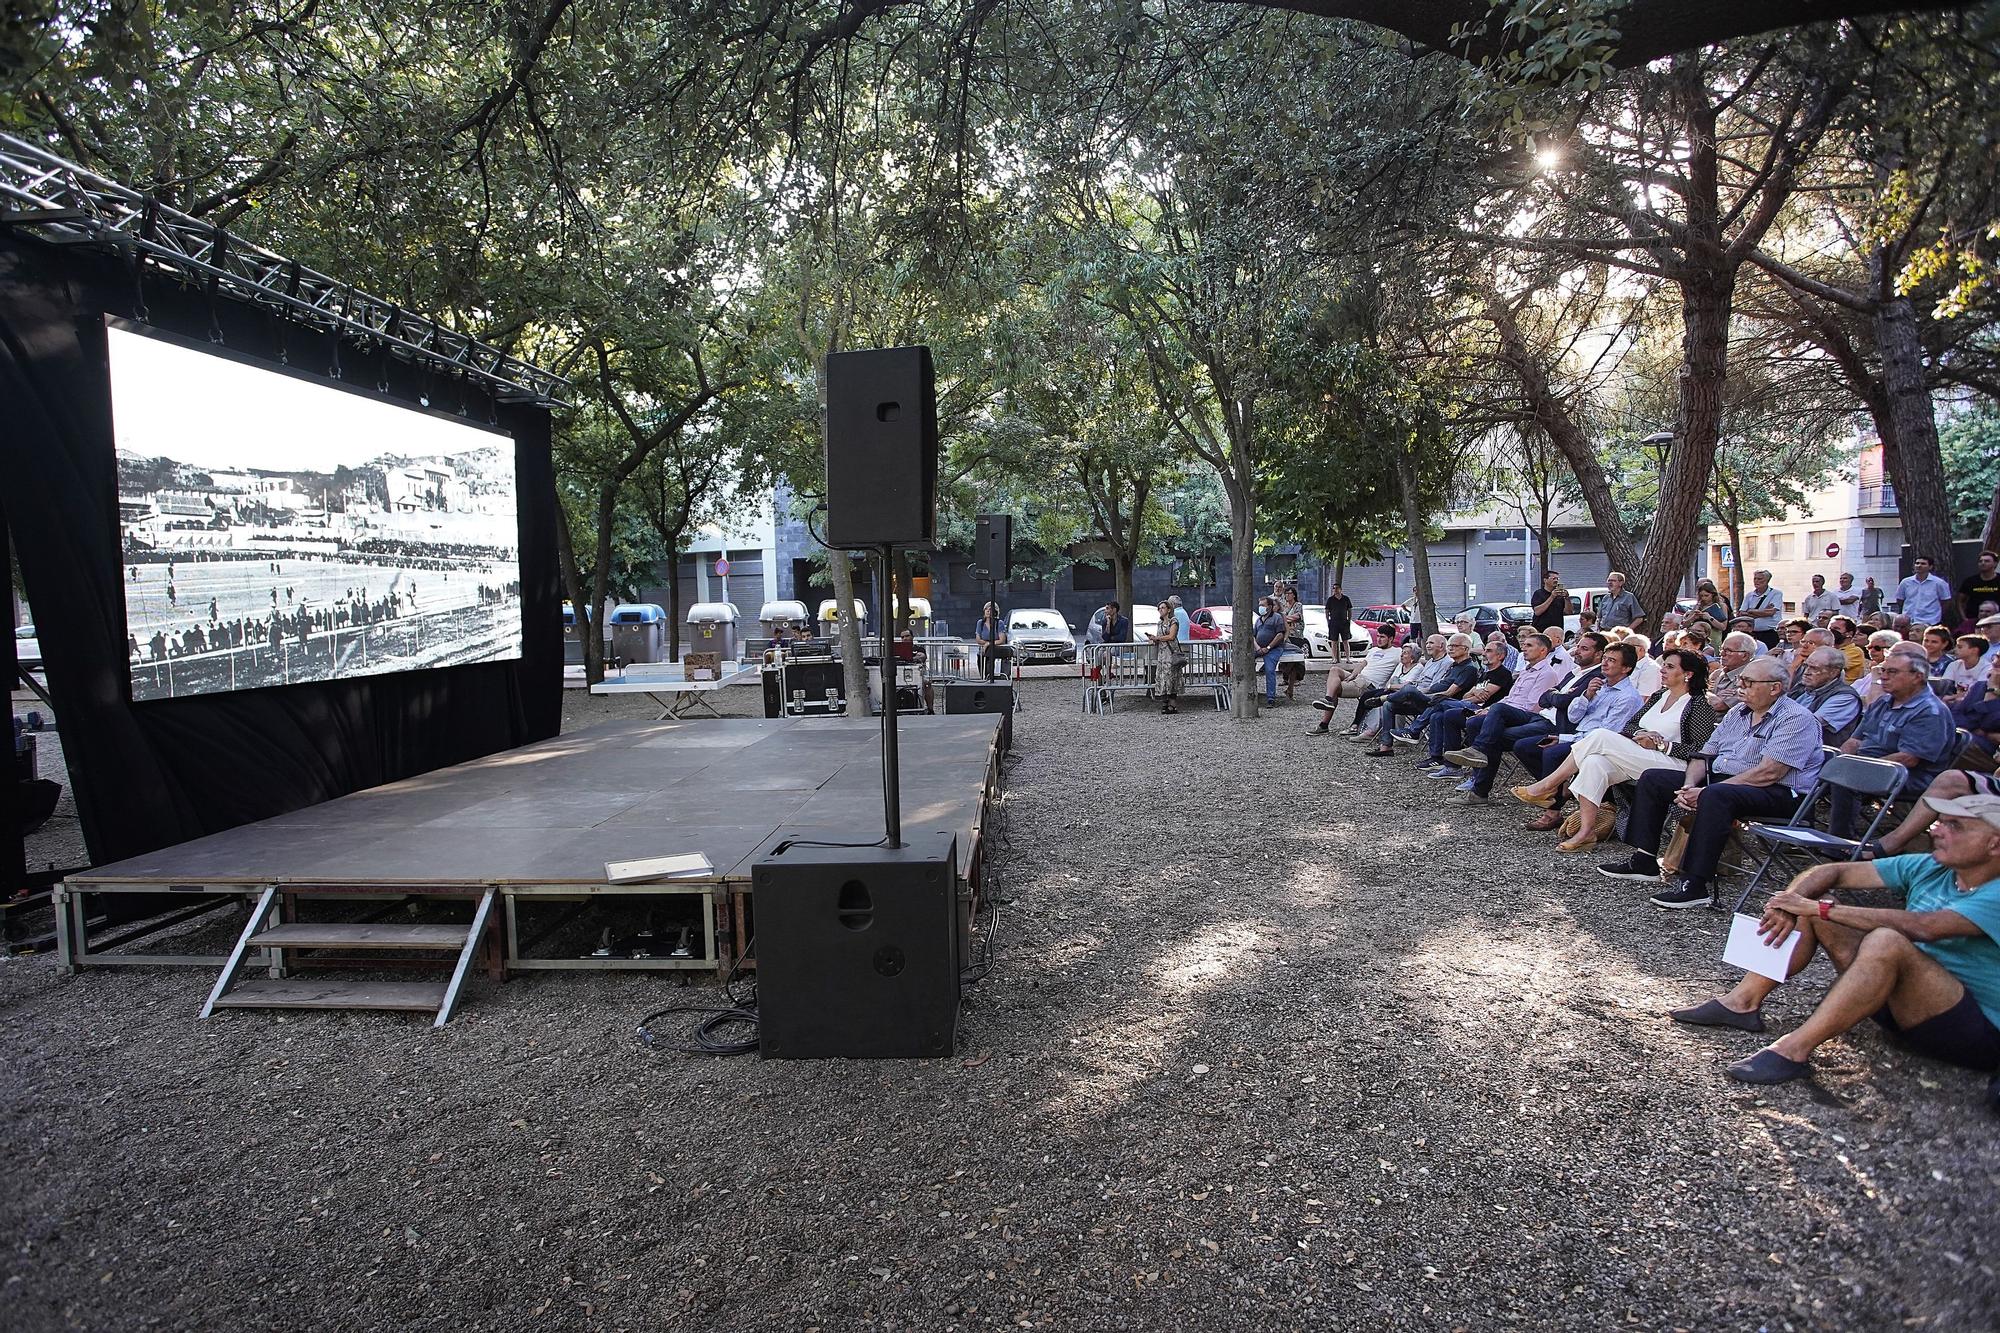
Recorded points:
(329, 993)
(366, 935)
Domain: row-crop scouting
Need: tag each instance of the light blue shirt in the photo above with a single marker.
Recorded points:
(1614, 706)
(1788, 733)
(1183, 627)
(1427, 673)
(1923, 599)
(1922, 727)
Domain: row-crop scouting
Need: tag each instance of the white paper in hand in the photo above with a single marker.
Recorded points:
(1746, 949)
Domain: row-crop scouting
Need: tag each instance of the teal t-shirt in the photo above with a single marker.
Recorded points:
(1973, 959)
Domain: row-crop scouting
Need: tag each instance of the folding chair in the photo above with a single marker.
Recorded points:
(1871, 779)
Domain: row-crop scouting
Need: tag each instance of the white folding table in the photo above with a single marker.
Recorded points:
(670, 688)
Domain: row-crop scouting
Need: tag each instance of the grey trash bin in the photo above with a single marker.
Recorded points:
(639, 632)
(712, 629)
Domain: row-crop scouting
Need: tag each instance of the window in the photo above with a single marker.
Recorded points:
(1817, 542)
(1884, 543)
(1750, 547)
(1782, 544)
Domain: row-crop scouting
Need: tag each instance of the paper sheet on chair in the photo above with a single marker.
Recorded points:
(1746, 949)
(693, 865)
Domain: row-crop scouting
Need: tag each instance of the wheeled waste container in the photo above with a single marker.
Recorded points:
(639, 632)
(712, 629)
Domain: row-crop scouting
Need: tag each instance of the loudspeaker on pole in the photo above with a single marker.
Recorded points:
(881, 448)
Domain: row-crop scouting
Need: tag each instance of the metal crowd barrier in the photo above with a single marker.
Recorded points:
(1107, 670)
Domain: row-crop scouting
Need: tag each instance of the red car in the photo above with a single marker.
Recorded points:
(1402, 618)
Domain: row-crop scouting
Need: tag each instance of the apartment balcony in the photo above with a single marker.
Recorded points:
(1877, 498)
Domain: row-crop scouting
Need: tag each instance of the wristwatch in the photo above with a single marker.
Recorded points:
(1826, 906)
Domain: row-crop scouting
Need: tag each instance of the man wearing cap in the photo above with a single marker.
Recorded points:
(1759, 764)
(1928, 972)
(1990, 627)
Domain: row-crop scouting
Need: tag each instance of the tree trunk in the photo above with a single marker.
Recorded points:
(1339, 567)
(1735, 531)
(1420, 547)
(1707, 294)
(853, 672)
(1990, 533)
(1121, 578)
(1237, 483)
(1919, 474)
(589, 634)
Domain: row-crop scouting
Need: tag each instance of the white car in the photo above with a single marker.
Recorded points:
(1145, 623)
(1040, 634)
(27, 651)
(1319, 639)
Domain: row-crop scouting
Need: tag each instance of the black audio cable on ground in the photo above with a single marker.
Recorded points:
(707, 1037)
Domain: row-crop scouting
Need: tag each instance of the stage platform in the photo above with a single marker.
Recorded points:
(540, 822)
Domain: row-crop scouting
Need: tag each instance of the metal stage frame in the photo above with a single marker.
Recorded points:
(536, 825)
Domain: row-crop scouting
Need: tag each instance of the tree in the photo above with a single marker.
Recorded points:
(1676, 176)
(1970, 447)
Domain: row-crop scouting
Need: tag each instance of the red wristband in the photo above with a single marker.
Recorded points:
(1826, 909)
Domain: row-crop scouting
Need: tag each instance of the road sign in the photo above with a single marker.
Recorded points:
(1833, 550)
(722, 566)
(1728, 556)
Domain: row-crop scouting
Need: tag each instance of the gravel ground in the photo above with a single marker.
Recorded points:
(1276, 1038)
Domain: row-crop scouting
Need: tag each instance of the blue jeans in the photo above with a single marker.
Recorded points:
(1503, 727)
(1447, 719)
(1540, 760)
(1271, 656)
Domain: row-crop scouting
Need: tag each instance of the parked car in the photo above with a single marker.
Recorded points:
(1404, 618)
(1222, 617)
(1508, 617)
(1145, 623)
(1040, 634)
(27, 649)
(1319, 638)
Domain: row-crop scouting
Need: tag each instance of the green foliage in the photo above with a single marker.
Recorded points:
(1970, 443)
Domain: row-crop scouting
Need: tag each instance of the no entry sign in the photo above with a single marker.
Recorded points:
(1833, 550)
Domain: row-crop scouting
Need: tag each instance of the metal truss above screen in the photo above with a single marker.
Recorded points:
(48, 197)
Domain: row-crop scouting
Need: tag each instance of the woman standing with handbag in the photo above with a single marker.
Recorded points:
(1171, 655)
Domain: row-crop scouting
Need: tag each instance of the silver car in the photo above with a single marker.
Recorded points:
(1041, 634)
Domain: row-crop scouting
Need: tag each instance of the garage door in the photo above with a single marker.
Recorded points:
(1447, 582)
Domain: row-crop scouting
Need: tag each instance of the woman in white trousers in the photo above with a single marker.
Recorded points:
(1670, 730)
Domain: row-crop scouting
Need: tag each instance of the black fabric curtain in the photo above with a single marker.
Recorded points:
(152, 774)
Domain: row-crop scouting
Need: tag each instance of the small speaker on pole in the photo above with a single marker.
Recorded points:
(881, 448)
(993, 546)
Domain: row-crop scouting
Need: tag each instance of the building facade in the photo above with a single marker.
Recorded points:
(1850, 525)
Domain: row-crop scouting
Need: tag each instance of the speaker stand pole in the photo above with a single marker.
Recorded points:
(892, 776)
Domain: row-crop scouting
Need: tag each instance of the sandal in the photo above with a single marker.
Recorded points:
(1580, 843)
(1529, 796)
(1546, 822)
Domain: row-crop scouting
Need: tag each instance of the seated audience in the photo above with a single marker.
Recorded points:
(1607, 699)
(1352, 680)
(1669, 731)
(1445, 719)
(1869, 687)
(1847, 638)
(1822, 687)
(1646, 676)
(1761, 762)
(1462, 675)
(1960, 674)
(1411, 686)
(1937, 648)
(1738, 651)
(1907, 725)
(1512, 718)
(1989, 625)
(1927, 972)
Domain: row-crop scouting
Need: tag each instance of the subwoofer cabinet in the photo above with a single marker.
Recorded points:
(858, 950)
(973, 696)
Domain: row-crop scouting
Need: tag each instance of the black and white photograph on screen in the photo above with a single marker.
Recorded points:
(274, 530)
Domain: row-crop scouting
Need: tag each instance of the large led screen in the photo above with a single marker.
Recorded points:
(276, 529)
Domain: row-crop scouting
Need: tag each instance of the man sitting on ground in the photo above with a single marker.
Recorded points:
(1907, 725)
(1822, 687)
(1762, 760)
(1513, 718)
(1928, 972)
